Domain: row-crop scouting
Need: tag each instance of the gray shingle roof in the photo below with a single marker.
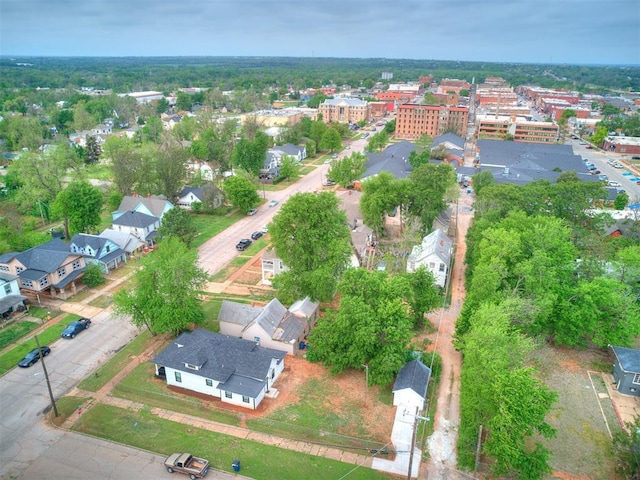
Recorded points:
(456, 140)
(271, 316)
(240, 365)
(414, 375)
(629, 359)
(82, 240)
(238, 313)
(394, 159)
(135, 219)
(156, 205)
(124, 240)
(46, 257)
(305, 308)
(196, 191)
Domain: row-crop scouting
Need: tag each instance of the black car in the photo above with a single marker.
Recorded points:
(243, 244)
(76, 327)
(33, 356)
(256, 235)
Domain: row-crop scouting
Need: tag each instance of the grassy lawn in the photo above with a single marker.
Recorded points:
(99, 172)
(15, 331)
(107, 371)
(49, 335)
(102, 301)
(67, 406)
(231, 267)
(39, 312)
(209, 226)
(259, 461)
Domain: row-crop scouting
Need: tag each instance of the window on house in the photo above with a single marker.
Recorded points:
(442, 267)
(62, 272)
(4, 268)
(19, 269)
(7, 288)
(209, 383)
(178, 377)
(44, 282)
(432, 265)
(228, 395)
(76, 265)
(108, 248)
(27, 283)
(245, 399)
(191, 366)
(636, 379)
(256, 339)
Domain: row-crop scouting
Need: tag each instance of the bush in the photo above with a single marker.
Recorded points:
(93, 275)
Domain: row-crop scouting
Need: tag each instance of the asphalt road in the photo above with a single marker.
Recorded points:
(24, 398)
(221, 249)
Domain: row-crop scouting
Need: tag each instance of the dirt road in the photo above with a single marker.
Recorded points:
(442, 444)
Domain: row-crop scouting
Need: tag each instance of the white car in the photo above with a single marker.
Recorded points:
(615, 184)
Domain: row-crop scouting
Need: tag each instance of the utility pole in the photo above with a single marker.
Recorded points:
(46, 377)
(413, 439)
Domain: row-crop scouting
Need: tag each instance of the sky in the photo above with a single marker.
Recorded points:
(527, 31)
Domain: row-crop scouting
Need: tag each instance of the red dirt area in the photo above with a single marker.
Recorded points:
(568, 476)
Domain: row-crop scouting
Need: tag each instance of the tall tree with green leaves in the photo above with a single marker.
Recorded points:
(93, 150)
(380, 195)
(289, 168)
(251, 155)
(331, 140)
(80, 204)
(177, 222)
(126, 163)
(241, 192)
(427, 191)
(165, 297)
(311, 236)
(346, 170)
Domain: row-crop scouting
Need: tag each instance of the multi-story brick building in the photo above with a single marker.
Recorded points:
(344, 110)
(413, 120)
(521, 129)
(537, 132)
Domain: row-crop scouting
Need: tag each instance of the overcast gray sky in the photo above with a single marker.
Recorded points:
(543, 31)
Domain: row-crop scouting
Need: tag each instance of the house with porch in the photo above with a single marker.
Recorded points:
(434, 253)
(130, 244)
(626, 370)
(10, 299)
(98, 250)
(237, 371)
(150, 205)
(273, 326)
(272, 265)
(140, 225)
(49, 267)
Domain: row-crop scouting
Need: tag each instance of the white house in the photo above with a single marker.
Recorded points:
(98, 250)
(236, 371)
(190, 195)
(150, 205)
(127, 242)
(10, 298)
(410, 387)
(272, 326)
(271, 266)
(435, 254)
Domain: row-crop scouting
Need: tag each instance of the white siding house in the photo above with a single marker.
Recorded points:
(435, 254)
(236, 371)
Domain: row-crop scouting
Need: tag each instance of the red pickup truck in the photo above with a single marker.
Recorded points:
(186, 463)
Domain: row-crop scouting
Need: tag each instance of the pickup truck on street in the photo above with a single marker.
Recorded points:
(186, 463)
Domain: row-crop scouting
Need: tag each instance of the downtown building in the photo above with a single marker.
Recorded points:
(344, 110)
(414, 120)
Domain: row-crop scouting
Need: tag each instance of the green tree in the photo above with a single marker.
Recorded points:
(317, 130)
(390, 127)
(371, 327)
(162, 106)
(482, 180)
(621, 201)
(600, 134)
(93, 275)
(251, 155)
(126, 163)
(80, 205)
(378, 142)
(331, 140)
(626, 451)
(171, 169)
(420, 293)
(184, 101)
(165, 297)
(152, 130)
(311, 236)
(316, 100)
(241, 192)
(178, 223)
(346, 170)
(380, 195)
(82, 119)
(94, 150)
(428, 186)
(416, 159)
(289, 168)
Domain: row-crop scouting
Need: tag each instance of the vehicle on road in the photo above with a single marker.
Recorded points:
(76, 327)
(335, 155)
(273, 203)
(264, 229)
(603, 177)
(615, 184)
(617, 165)
(188, 464)
(635, 157)
(253, 211)
(243, 244)
(33, 356)
(256, 235)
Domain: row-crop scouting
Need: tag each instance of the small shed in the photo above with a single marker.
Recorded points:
(410, 387)
(626, 370)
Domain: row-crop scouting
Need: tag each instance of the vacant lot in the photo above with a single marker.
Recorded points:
(581, 449)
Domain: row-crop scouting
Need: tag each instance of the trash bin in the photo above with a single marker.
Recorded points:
(236, 465)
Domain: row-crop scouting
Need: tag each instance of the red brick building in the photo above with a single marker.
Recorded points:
(413, 120)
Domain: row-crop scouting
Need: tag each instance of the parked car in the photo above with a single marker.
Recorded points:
(253, 211)
(273, 203)
(256, 235)
(243, 244)
(264, 229)
(335, 155)
(635, 157)
(33, 356)
(603, 177)
(76, 327)
(186, 463)
(615, 184)
(617, 165)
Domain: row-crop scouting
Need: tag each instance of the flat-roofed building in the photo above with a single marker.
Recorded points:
(537, 132)
(414, 120)
(629, 145)
(344, 110)
(146, 97)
